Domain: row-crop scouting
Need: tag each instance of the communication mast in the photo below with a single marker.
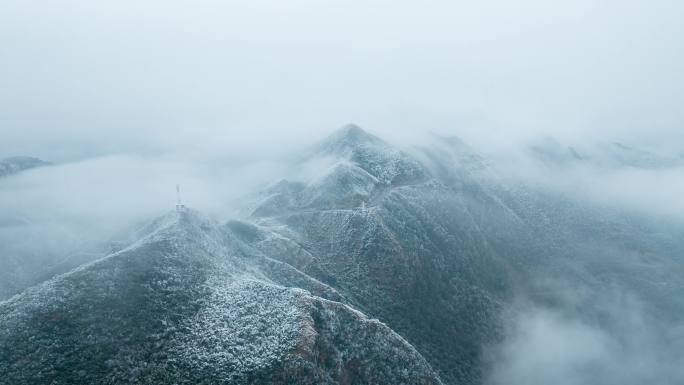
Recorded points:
(179, 205)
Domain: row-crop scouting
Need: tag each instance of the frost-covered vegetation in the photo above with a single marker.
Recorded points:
(190, 303)
(383, 267)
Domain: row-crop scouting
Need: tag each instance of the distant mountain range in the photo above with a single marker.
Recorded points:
(614, 155)
(16, 164)
(379, 265)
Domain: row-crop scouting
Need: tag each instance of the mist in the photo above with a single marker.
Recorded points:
(546, 346)
(93, 79)
(130, 99)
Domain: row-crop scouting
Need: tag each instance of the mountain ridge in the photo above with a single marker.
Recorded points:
(17, 164)
(188, 303)
(387, 265)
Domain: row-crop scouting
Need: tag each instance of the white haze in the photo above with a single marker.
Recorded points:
(544, 346)
(133, 97)
(649, 191)
(91, 78)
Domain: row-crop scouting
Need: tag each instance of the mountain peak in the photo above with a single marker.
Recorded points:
(173, 223)
(16, 164)
(352, 129)
(348, 137)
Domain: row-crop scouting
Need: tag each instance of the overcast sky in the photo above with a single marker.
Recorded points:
(82, 78)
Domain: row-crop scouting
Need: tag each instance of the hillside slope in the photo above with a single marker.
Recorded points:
(189, 303)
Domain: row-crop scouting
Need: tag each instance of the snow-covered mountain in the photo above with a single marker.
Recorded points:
(378, 265)
(15, 164)
(606, 155)
(190, 303)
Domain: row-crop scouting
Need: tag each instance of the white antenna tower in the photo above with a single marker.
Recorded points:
(361, 209)
(179, 205)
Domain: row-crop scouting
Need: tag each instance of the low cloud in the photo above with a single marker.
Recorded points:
(51, 213)
(623, 345)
